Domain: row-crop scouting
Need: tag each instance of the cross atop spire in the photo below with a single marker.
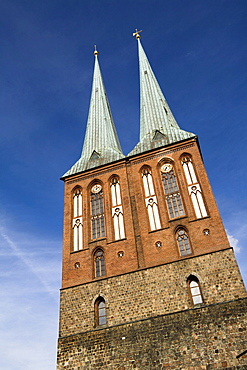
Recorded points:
(158, 126)
(137, 34)
(101, 144)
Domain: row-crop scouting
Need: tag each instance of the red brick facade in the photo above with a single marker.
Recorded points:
(139, 246)
(145, 275)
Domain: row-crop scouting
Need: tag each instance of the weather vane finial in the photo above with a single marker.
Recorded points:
(95, 50)
(136, 34)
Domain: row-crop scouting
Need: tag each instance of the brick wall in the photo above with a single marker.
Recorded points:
(150, 292)
(139, 245)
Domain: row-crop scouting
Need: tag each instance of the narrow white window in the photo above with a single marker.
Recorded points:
(151, 200)
(194, 188)
(117, 209)
(195, 290)
(172, 194)
(77, 223)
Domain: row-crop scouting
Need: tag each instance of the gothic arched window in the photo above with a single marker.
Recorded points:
(151, 199)
(97, 212)
(100, 311)
(77, 220)
(183, 242)
(99, 263)
(173, 197)
(194, 187)
(195, 290)
(117, 209)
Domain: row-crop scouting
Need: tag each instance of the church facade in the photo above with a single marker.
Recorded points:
(149, 279)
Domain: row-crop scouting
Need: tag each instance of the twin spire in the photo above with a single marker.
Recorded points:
(158, 126)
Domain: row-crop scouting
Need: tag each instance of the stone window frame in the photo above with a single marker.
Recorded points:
(193, 278)
(100, 312)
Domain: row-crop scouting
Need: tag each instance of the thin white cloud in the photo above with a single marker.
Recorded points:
(39, 270)
(30, 276)
(234, 243)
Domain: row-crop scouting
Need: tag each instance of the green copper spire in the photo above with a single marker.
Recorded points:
(101, 144)
(158, 126)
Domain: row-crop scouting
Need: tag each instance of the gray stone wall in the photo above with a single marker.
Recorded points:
(201, 338)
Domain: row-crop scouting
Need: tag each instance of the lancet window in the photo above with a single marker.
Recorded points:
(117, 209)
(99, 263)
(195, 291)
(194, 187)
(100, 311)
(77, 223)
(151, 199)
(97, 212)
(183, 242)
(172, 194)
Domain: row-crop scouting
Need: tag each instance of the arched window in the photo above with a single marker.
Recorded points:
(77, 220)
(97, 212)
(117, 209)
(194, 187)
(173, 197)
(183, 242)
(99, 263)
(195, 290)
(100, 311)
(150, 199)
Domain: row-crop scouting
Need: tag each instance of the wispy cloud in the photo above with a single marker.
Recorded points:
(234, 243)
(29, 258)
(30, 282)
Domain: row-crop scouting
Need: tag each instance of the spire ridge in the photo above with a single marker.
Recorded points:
(101, 144)
(158, 126)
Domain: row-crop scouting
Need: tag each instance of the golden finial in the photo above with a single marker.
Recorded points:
(136, 34)
(95, 51)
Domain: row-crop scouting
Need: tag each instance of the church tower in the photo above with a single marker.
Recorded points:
(149, 279)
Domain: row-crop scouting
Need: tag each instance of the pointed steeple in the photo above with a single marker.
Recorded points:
(101, 144)
(158, 126)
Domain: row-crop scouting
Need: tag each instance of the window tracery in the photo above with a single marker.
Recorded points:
(97, 212)
(117, 209)
(151, 199)
(194, 187)
(183, 242)
(172, 194)
(99, 263)
(77, 223)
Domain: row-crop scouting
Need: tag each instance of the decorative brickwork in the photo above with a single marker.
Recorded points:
(139, 245)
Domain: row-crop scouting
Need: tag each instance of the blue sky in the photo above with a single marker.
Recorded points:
(198, 52)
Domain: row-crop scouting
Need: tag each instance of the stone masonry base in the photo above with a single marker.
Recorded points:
(202, 338)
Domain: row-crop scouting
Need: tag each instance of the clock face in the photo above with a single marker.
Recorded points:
(167, 167)
(96, 188)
